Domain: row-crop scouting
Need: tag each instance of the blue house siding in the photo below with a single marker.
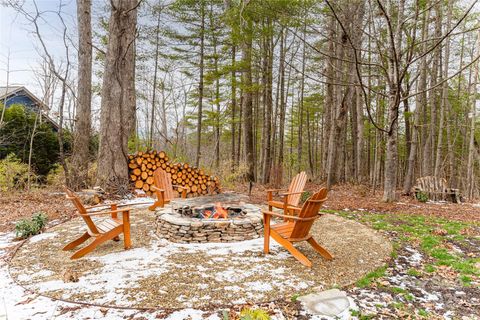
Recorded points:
(23, 97)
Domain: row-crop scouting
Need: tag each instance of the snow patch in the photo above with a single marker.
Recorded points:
(43, 236)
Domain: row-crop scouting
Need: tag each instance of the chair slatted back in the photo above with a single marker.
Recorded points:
(297, 185)
(81, 210)
(434, 187)
(310, 209)
(163, 181)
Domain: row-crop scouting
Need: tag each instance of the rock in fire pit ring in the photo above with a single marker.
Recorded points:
(177, 228)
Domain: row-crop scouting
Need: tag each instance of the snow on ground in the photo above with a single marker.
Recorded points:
(193, 274)
(43, 236)
(19, 304)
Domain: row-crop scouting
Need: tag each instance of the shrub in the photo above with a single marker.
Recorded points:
(19, 122)
(421, 196)
(26, 228)
(56, 176)
(13, 173)
(230, 177)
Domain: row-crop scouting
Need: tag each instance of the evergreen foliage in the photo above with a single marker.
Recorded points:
(16, 132)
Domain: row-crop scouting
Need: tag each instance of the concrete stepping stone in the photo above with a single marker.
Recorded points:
(330, 303)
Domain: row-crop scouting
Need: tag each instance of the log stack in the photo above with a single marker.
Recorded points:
(142, 165)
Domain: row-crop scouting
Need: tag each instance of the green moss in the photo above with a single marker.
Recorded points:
(466, 280)
(422, 313)
(413, 229)
(370, 277)
(430, 242)
(413, 272)
(409, 297)
(398, 290)
(360, 316)
(429, 268)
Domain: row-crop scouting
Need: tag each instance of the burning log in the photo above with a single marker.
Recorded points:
(142, 165)
(217, 211)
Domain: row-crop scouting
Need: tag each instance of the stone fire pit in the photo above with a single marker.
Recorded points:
(180, 228)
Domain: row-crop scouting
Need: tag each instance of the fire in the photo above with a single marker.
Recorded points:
(220, 212)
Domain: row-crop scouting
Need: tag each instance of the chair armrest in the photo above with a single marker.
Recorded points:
(294, 208)
(289, 193)
(101, 205)
(90, 214)
(270, 213)
(154, 188)
(270, 193)
(177, 186)
(184, 190)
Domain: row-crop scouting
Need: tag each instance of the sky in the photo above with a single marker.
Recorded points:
(20, 49)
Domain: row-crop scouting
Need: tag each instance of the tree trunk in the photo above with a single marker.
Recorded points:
(117, 118)
(300, 103)
(471, 147)
(248, 103)
(154, 89)
(391, 157)
(234, 105)
(282, 111)
(200, 86)
(268, 105)
(82, 133)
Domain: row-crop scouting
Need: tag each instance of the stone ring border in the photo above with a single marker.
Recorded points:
(181, 229)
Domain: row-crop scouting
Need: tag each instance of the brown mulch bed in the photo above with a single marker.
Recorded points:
(361, 198)
(18, 205)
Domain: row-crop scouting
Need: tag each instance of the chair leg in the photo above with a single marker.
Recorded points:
(294, 251)
(321, 250)
(77, 242)
(155, 205)
(127, 241)
(266, 233)
(80, 253)
(98, 240)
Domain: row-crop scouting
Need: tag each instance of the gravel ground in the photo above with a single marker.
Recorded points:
(158, 274)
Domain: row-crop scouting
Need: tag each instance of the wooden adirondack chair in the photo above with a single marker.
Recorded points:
(291, 197)
(436, 189)
(287, 233)
(164, 189)
(108, 229)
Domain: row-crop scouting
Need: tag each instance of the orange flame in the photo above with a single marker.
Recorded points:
(207, 214)
(220, 212)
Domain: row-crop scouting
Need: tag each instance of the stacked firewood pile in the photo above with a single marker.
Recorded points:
(142, 165)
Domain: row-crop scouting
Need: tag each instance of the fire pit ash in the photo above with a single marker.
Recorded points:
(212, 211)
